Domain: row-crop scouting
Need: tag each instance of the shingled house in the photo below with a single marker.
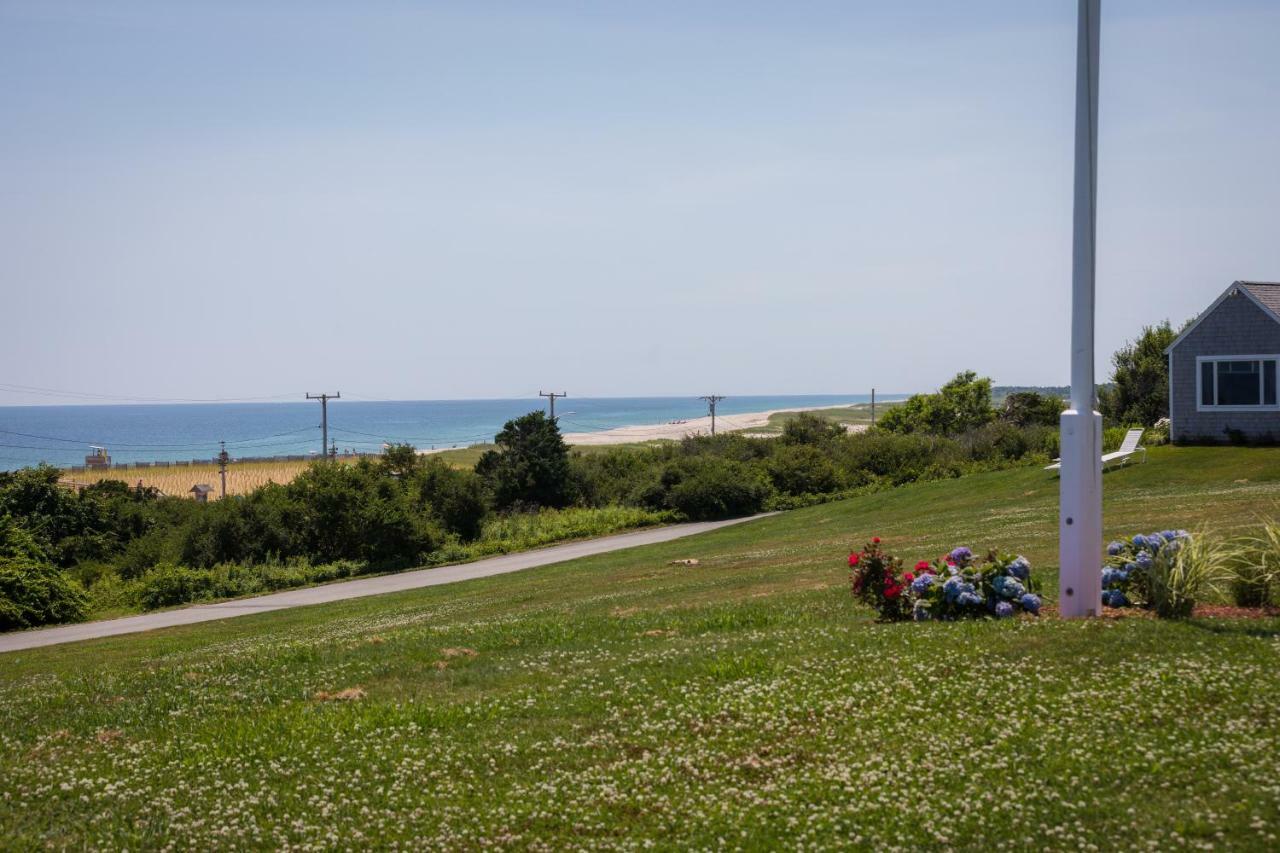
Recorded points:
(1222, 369)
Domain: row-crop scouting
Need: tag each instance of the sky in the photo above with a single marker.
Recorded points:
(414, 200)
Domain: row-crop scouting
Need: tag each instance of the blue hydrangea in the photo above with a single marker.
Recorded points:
(1144, 561)
(921, 613)
(921, 584)
(1114, 598)
(1030, 603)
(1115, 548)
(1139, 541)
(1169, 535)
(968, 598)
(1130, 567)
(1108, 577)
(952, 588)
(1008, 587)
(1004, 610)
(960, 555)
(1020, 567)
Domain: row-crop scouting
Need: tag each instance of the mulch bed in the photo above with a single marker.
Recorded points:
(1202, 611)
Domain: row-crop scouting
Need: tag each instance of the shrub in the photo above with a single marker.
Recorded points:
(875, 455)
(802, 470)
(17, 543)
(34, 593)
(1167, 572)
(707, 489)
(531, 466)
(167, 585)
(811, 429)
(457, 497)
(1258, 568)
(953, 587)
(876, 580)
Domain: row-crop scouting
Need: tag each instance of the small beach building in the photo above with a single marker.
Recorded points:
(201, 492)
(1223, 369)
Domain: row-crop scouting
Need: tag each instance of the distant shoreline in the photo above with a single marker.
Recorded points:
(691, 427)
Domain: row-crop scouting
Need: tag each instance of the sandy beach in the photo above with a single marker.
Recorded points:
(675, 432)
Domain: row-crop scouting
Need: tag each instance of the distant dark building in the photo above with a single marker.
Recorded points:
(201, 492)
(1222, 369)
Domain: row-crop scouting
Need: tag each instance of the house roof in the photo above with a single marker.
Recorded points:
(202, 488)
(1264, 294)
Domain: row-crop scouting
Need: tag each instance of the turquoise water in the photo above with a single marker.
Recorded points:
(61, 435)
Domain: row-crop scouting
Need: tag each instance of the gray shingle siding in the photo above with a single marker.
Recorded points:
(1236, 327)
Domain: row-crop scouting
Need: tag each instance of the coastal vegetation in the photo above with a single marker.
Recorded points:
(623, 699)
(130, 547)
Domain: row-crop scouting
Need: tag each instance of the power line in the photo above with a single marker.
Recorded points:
(126, 446)
(14, 388)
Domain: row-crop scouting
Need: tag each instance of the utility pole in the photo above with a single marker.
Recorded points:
(873, 407)
(333, 451)
(223, 459)
(324, 418)
(712, 399)
(551, 395)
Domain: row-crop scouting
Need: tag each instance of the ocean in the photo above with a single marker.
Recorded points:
(61, 435)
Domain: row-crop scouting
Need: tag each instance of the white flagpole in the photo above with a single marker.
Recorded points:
(1080, 514)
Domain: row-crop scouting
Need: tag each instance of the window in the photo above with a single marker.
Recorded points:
(1237, 382)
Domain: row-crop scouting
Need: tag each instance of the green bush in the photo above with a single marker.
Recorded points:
(962, 404)
(530, 468)
(802, 469)
(872, 456)
(167, 585)
(811, 429)
(34, 593)
(706, 489)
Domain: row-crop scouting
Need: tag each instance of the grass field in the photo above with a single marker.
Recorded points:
(620, 701)
(244, 477)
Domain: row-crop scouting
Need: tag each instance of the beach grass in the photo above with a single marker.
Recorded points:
(858, 415)
(177, 480)
(620, 700)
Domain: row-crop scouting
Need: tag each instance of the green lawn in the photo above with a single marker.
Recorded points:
(745, 702)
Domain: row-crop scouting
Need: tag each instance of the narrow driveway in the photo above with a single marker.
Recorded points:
(359, 588)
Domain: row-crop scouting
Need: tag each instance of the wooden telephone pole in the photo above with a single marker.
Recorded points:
(324, 419)
(223, 459)
(712, 399)
(551, 395)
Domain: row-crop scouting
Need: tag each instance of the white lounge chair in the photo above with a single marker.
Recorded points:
(1128, 447)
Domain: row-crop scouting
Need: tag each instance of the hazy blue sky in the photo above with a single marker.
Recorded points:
(418, 200)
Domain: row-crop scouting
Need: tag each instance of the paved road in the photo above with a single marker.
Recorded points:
(359, 588)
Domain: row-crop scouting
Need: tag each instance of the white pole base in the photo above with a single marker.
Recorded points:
(1080, 518)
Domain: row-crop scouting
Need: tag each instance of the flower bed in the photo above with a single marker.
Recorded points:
(955, 586)
(1127, 571)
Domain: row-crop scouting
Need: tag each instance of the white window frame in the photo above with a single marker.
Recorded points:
(1262, 376)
